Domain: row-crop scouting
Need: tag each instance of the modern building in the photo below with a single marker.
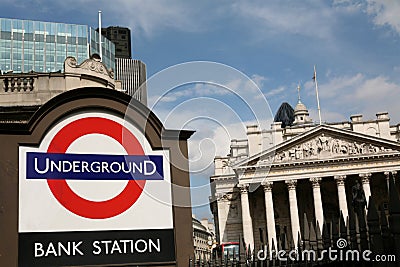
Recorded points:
(263, 188)
(131, 72)
(121, 37)
(27, 45)
(42, 47)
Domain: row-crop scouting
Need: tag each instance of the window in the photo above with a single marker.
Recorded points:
(28, 26)
(17, 36)
(50, 39)
(5, 25)
(28, 36)
(17, 24)
(61, 39)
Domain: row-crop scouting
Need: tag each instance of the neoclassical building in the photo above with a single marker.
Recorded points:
(202, 239)
(263, 188)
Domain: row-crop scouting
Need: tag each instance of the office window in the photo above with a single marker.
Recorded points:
(5, 25)
(28, 36)
(28, 26)
(17, 36)
(17, 25)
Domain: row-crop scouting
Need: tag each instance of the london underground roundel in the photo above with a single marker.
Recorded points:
(94, 171)
(77, 204)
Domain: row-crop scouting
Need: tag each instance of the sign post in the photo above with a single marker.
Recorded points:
(94, 186)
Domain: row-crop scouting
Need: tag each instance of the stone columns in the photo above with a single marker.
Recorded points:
(342, 195)
(269, 210)
(294, 213)
(319, 213)
(387, 177)
(365, 184)
(223, 210)
(246, 217)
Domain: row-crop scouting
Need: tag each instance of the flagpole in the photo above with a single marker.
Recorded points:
(100, 47)
(316, 91)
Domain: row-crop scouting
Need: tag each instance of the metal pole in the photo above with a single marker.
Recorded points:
(100, 48)
(316, 90)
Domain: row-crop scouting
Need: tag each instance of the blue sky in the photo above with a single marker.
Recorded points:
(354, 44)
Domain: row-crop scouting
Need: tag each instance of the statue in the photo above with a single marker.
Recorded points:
(359, 201)
(324, 143)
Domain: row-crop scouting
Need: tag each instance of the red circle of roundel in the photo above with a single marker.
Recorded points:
(68, 198)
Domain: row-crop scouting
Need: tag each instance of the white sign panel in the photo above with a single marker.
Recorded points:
(92, 150)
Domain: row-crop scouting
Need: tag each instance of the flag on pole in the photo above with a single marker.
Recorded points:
(315, 75)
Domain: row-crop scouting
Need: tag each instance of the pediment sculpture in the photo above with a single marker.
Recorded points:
(324, 146)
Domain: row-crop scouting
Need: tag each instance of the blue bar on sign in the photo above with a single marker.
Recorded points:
(70, 166)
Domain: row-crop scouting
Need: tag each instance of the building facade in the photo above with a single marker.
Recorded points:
(42, 47)
(132, 74)
(121, 37)
(202, 239)
(28, 91)
(264, 187)
(27, 45)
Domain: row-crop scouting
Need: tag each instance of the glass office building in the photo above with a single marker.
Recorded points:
(27, 45)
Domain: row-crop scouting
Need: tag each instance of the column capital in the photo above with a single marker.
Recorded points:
(244, 188)
(267, 186)
(365, 177)
(219, 196)
(340, 179)
(315, 181)
(291, 184)
(225, 197)
(390, 172)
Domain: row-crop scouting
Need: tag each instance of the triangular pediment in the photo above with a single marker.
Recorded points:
(323, 143)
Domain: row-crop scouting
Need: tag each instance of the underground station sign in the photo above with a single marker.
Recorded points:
(94, 193)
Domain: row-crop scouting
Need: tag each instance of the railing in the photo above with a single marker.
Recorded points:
(12, 83)
(371, 240)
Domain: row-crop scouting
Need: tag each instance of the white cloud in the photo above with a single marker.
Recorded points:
(385, 12)
(203, 150)
(144, 17)
(274, 92)
(336, 86)
(151, 16)
(357, 94)
(252, 85)
(258, 80)
(377, 89)
(349, 6)
(307, 18)
(198, 89)
(244, 88)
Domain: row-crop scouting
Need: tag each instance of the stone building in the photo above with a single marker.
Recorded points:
(21, 94)
(263, 188)
(202, 239)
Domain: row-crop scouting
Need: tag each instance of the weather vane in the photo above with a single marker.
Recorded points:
(298, 90)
